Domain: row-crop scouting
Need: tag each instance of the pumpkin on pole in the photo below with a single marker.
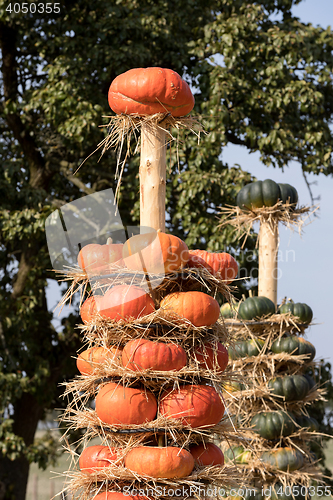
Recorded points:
(156, 350)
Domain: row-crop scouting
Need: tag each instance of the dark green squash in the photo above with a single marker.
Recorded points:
(255, 307)
(306, 422)
(237, 454)
(295, 346)
(300, 310)
(283, 459)
(266, 193)
(290, 387)
(311, 382)
(246, 348)
(273, 424)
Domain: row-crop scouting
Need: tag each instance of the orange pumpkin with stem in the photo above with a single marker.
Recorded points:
(160, 462)
(95, 458)
(89, 359)
(222, 265)
(146, 91)
(96, 258)
(207, 454)
(117, 405)
(192, 405)
(212, 356)
(198, 308)
(155, 252)
(141, 354)
(125, 302)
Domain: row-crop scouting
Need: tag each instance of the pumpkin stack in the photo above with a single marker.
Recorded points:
(149, 395)
(275, 358)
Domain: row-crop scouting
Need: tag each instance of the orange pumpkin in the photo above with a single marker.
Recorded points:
(89, 359)
(193, 405)
(160, 462)
(125, 302)
(222, 265)
(146, 91)
(155, 252)
(212, 356)
(207, 454)
(116, 495)
(89, 308)
(117, 405)
(197, 307)
(95, 458)
(94, 257)
(141, 354)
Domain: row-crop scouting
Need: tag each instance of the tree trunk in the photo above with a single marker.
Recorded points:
(14, 473)
(268, 265)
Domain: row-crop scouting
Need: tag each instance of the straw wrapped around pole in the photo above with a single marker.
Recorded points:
(268, 265)
(152, 177)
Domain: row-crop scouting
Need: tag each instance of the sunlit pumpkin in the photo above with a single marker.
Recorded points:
(125, 302)
(212, 356)
(146, 91)
(198, 308)
(207, 454)
(95, 458)
(96, 258)
(89, 359)
(116, 405)
(88, 309)
(192, 405)
(222, 265)
(140, 354)
(155, 252)
(160, 462)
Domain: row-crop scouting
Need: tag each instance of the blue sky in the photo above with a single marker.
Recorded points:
(305, 262)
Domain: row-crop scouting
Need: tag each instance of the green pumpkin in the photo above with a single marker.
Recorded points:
(290, 387)
(227, 311)
(265, 193)
(301, 311)
(295, 346)
(246, 348)
(311, 382)
(306, 422)
(273, 424)
(285, 459)
(237, 454)
(255, 307)
(233, 386)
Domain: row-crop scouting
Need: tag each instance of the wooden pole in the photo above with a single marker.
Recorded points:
(152, 177)
(268, 265)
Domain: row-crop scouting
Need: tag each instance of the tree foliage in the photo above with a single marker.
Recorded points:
(269, 90)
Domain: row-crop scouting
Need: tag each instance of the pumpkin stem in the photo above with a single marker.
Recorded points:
(109, 241)
(160, 441)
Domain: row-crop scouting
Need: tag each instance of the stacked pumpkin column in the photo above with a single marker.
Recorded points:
(275, 358)
(149, 395)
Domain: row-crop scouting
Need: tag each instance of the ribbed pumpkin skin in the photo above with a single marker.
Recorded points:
(309, 423)
(145, 91)
(246, 348)
(94, 458)
(237, 454)
(116, 405)
(94, 257)
(207, 454)
(140, 354)
(125, 302)
(274, 424)
(283, 459)
(255, 307)
(155, 252)
(291, 387)
(193, 405)
(197, 307)
(212, 356)
(295, 346)
(222, 264)
(265, 193)
(160, 462)
(88, 360)
(300, 310)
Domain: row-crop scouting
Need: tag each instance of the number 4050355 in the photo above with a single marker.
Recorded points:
(33, 7)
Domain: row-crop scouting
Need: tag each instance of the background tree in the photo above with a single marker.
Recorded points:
(270, 92)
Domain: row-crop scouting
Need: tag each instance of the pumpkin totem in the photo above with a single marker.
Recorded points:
(149, 393)
(272, 352)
